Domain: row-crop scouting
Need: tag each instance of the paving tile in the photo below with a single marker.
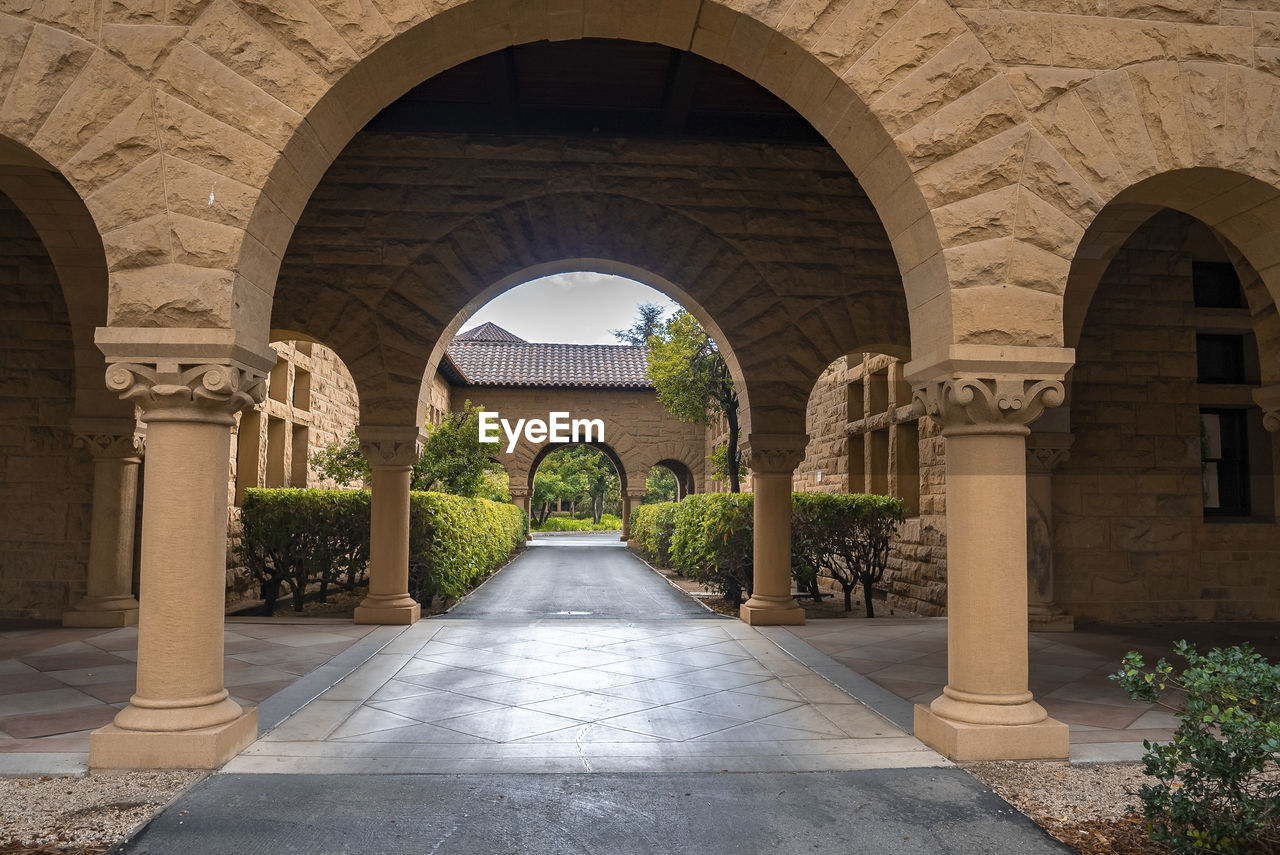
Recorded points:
(505, 725)
(1096, 715)
(737, 705)
(672, 723)
(102, 674)
(367, 720)
(647, 668)
(416, 734)
(588, 706)
(111, 693)
(49, 700)
(659, 691)
(57, 723)
(259, 692)
(88, 658)
(701, 658)
(453, 679)
(27, 680)
(804, 718)
(770, 689)
(593, 733)
(587, 679)
(434, 706)
(526, 668)
(718, 678)
(516, 692)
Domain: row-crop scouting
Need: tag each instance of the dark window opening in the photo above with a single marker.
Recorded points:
(1216, 285)
(1224, 462)
(1220, 358)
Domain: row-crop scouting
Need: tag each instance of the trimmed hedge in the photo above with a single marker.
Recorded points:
(712, 542)
(651, 529)
(709, 538)
(294, 538)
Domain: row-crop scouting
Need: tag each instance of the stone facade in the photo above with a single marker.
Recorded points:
(198, 176)
(44, 541)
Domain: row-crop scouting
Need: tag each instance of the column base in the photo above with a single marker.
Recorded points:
(397, 615)
(101, 618)
(772, 611)
(1061, 622)
(112, 747)
(958, 740)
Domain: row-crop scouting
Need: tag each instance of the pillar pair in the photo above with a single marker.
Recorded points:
(630, 501)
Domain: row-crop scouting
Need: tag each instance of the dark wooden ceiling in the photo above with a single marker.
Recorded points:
(598, 88)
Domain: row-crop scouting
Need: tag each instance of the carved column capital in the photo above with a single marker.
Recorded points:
(175, 391)
(390, 447)
(1046, 451)
(1268, 398)
(637, 495)
(111, 446)
(981, 405)
(775, 453)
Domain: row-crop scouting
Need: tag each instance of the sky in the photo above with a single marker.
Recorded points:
(570, 308)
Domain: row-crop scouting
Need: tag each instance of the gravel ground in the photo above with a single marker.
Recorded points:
(83, 814)
(1092, 808)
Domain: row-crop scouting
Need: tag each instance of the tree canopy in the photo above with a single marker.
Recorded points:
(648, 322)
(693, 381)
(453, 460)
(576, 473)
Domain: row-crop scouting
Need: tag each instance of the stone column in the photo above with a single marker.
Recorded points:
(117, 452)
(986, 710)
(773, 458)
(1045, 451)
(391, 452)
(630, 501)
(181, 716)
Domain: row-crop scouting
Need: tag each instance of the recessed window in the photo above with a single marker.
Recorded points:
(1220, 358)
(1217, 285)
(1224, 460)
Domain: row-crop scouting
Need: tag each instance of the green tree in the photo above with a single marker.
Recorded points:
(453, 459)
(693, 381)
(577, 473)
(661, 486)
(646, 324)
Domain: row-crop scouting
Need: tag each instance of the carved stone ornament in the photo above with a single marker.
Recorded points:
(390, 447)
(111, 446)
(775, 455)
(209, 392)
(1268, 398)
(1047, 451)
(981, 405)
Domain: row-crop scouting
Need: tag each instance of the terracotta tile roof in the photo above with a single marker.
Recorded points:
(487, 331)
(495, 357)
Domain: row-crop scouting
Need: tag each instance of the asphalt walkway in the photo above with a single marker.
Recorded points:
(578, 703)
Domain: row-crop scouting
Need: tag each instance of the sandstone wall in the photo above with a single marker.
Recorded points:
(311, 403)
(47, 492)
(636, 427)
(864, 437)
(1131, 538)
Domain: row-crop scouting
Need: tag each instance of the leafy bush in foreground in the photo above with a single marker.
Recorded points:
(845, 537)
(296, 538)
(651, 529)
(1218, 784)
(712, 542)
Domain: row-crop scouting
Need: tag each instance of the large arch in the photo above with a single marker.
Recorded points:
(710, 30)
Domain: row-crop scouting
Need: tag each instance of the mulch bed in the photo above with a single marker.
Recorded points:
(1127, 836)
(14, 847)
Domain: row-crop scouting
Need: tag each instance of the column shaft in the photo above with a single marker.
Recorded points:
(986, 710)
(109, 601)
(391, 452)
(773, 459)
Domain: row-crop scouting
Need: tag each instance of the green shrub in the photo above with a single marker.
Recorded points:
(608, 522)
(651, 529)
(1218, 784)
(712, 542)
(295, 538)
(455, 542)
(845, 537)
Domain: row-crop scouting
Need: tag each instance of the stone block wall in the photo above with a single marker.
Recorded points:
(1132, 541)
(47, 491)
(865, 437)
(311, 403)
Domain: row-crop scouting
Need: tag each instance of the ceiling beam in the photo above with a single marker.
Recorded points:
(677, 100)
